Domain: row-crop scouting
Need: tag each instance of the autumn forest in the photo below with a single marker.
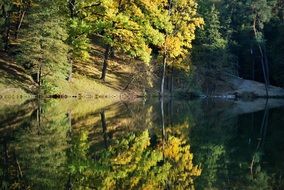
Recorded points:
(141, 94)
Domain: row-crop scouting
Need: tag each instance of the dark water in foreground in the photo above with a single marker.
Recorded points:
(81, 144)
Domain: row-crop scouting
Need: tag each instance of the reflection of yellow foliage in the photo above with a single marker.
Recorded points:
(173, 148)
(178, 153)
(131, 163)
(139, 145)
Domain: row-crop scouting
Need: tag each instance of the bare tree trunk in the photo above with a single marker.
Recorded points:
(39, 78)
(20, 24)
(6, 37)
(266, 64)
(105, 64)
(262, 59)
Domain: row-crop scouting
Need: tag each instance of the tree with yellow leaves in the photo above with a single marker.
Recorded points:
(124, 26)
(179, 36)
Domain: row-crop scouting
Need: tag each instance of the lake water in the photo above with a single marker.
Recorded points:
(97, 144)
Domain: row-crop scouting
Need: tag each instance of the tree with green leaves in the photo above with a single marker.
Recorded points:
(6, 8)
(43, 50)
(211, 55)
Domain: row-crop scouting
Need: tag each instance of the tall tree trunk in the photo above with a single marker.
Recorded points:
(39, 78)
(163, 75)
(6, 37)
(20, 24)
(105, 64)
(266, 64)
(262, 59)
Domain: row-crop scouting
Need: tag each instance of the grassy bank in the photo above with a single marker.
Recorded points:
(124, 78)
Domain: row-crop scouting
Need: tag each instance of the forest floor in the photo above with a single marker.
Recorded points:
(85, 82)
(14, 81)
(126, 78)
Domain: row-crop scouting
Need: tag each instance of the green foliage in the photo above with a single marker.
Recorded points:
(211, 56)
(184, 20)
(44, 49)
(78, 39)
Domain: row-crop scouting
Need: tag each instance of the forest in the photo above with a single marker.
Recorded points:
(175, 47)
(141, 94)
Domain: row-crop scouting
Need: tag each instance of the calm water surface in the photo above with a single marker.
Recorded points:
(94, 144)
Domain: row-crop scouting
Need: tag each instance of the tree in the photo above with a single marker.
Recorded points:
(179, 36)
(248, 21)
(12, 14)
(44, 51)
(211, 55)
(5, 22)
(123, 26)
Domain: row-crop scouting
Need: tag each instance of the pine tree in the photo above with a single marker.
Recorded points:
(44, 51)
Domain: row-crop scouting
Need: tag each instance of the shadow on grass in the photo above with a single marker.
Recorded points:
(117, 76)
(13, 74)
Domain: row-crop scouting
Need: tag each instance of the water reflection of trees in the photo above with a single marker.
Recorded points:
(132, 162)
(228, 145)
(52, 145)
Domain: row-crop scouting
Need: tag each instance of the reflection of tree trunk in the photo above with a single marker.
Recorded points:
(172, 81)
(264, 123)
(172, 110)
(104, 126)
(163, 75)
(38, 116)
(19, 170)
(105, 64)
(263, 131)
(163, 122)
(69, 183)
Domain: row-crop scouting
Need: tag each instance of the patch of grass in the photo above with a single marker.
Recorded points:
(83, 86)
(11, 92)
